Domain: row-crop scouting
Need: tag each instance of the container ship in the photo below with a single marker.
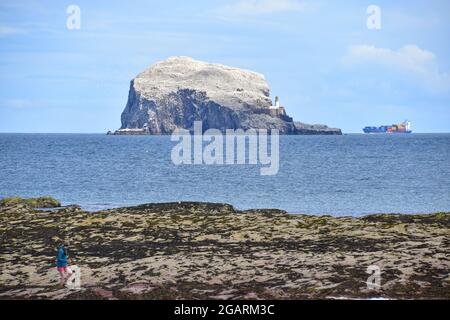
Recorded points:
(404, 127)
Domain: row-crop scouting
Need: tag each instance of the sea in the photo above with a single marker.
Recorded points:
(349, 175)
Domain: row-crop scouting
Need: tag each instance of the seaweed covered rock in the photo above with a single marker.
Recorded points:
(41, 202)
(190, 250)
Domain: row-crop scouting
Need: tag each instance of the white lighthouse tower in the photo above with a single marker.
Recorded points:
(276, 104)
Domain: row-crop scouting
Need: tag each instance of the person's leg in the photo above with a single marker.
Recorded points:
(66, 273)
(61, 276)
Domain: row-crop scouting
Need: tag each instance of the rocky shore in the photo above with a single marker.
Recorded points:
(213, 251)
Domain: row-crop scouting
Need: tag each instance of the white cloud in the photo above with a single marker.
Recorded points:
(262, 7)
(5, 31)
(16, 103)
(410, 59)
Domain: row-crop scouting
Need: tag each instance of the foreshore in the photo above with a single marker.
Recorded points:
(212, 251)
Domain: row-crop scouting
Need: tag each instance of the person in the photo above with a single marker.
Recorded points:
(62, 263)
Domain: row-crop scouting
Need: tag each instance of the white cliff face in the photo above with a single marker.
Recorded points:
(227, 86)
(175, 93)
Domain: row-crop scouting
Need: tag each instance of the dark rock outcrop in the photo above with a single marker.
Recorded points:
(172, 94)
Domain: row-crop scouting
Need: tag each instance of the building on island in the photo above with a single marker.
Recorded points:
(277, 110)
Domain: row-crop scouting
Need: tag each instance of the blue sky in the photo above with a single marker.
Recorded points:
(318, 56)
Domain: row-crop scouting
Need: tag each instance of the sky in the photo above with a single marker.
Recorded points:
(329, 62)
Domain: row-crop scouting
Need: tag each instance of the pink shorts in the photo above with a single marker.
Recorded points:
(62, 269)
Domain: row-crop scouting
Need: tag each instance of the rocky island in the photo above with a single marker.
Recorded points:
(213, 251)
(174, 93)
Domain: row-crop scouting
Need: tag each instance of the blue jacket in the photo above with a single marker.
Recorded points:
(61, 258)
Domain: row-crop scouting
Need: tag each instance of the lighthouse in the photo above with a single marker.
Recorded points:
(276, 104)
(278, 111)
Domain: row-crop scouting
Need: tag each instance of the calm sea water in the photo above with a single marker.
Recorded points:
(339, 175)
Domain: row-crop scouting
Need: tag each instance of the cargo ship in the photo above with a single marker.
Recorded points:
(404, 127)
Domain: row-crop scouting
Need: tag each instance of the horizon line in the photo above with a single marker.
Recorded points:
(105, 133)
